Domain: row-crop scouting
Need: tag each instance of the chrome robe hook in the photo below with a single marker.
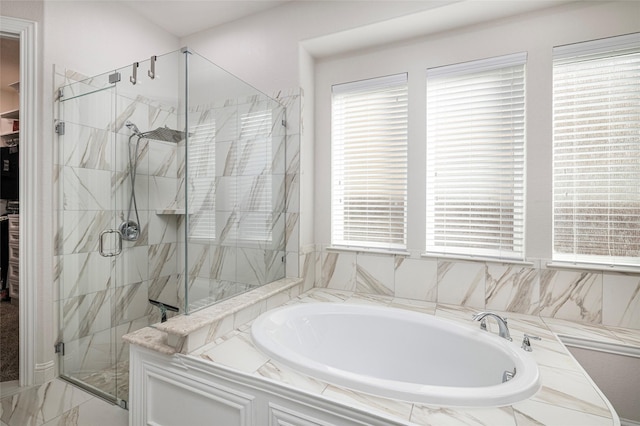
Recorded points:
(152, 71)
(134, 77)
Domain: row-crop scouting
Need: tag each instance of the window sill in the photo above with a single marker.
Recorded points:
(593, 267)
(445, 256)
(368, 250)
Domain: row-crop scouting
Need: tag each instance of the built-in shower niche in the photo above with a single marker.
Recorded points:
(209, 206)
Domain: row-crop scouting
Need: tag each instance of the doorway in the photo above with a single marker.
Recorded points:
(9, 208)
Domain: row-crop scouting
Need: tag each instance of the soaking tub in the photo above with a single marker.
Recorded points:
(397, 354)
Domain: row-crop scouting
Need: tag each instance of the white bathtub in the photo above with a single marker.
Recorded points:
(397, 354)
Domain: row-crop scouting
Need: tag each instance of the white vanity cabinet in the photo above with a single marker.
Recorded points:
(181, 390)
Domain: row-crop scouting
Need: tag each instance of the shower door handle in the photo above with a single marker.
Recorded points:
(118, 243)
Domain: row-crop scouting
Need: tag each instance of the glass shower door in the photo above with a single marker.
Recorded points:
(85, 248)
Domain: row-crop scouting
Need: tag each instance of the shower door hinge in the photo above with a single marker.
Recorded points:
(60, 94)
(114, 78)
(284, 123)
(59, 347)
(60, 128)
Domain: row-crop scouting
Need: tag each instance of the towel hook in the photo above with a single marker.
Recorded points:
(134, 78)
(152, 71)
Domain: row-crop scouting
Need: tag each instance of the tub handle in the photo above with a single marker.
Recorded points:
(526, 344)
(508, 375)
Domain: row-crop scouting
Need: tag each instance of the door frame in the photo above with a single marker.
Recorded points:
(30, 196)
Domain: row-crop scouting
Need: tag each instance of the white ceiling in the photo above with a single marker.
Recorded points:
(184, 17)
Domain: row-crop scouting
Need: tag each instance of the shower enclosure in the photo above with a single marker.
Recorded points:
(170, 179)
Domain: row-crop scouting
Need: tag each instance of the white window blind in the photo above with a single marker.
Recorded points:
(369, 163)
(202, 175)
(475, 158)
(596, 151)
(255, 190)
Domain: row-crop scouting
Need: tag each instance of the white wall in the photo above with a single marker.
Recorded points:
(535, 33)
(263, 49)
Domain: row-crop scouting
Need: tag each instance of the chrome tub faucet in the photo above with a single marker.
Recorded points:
(503, 329)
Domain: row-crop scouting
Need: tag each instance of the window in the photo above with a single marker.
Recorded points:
(596, 151)
(255, 177)
(202, 174)
(475, 158)
(369, 163)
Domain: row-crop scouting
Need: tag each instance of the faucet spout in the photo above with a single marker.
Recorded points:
(503, 329)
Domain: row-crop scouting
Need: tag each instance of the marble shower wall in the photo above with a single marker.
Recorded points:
(607, 298)
(102, 298)
(252, 142)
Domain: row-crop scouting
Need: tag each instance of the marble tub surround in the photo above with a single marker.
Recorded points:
(186, 333)
(567, 395)
(595, 297)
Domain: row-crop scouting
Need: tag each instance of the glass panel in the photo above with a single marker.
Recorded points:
(145, 182)
(83, 166)
(235, 186)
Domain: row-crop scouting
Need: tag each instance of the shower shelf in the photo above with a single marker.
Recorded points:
(170, 212)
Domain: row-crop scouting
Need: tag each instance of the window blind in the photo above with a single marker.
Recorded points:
(369, 163)
(475, 158)
(596, 151)
(255, 190)
(202, 175)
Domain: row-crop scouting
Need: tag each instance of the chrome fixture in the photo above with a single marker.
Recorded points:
(508, 375)
(134, 73)
(130, 229)
(503, 330)
(526, 344)
(152, 72)
(163, 309)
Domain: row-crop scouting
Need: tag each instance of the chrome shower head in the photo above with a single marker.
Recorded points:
(164, 134)
(132, 127)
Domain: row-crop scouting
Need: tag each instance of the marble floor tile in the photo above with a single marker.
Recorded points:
(94, 412)
(40, 404)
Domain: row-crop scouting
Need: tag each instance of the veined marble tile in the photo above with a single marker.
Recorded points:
(163, 159)
(375, 274)
(86, 189)
(627, 335)
(86, 147)
(338, 271)
(223, 263)
(571, 295)
(134, 109)
(165, 289)
(292, 143)
(162, 229)
(318, 295)
(533, 413)
(250, 266)
(95, 110)
(461, 283)
(367, 402)
(86, 314)
(276, 371)
(369, 299)
(131, 302)
(227, 125)
(132, 266)
(581, 330)
(414, 305)
(430, 415)
(416, 278)
(94, 412)
(41, 404)
(237, 352)
(90, 353)
(292, 188)
(621, 300)
(162, 191)
(84, 273)
(225, 158)
(569, 389)
(512, 288)
(81, 230)
(162, 260)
